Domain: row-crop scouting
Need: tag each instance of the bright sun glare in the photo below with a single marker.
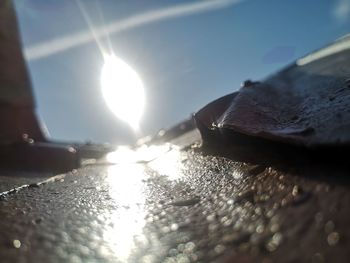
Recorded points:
(123, 90)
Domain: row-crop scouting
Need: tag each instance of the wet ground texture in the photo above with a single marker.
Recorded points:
(188, 205)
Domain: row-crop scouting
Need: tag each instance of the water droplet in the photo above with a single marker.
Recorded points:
(27, 139)
(333, 238)
(270, 246)
(260, 229)
(277, 238)
(71, 150)
(274, 242)
(295, 190)
(16, 243)
(174, 227)
(211, 217)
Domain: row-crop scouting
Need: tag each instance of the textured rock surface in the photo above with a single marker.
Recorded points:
(306, 104)
(186, 206)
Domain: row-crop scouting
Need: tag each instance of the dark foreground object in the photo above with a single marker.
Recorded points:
(306, 104)
(186, 206)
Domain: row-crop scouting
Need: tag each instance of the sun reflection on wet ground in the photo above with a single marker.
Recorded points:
(169, 164)
(126, 190)
(142, 154)
(126, 180)
(165, 159)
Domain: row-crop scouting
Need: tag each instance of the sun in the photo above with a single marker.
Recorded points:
(123, 90)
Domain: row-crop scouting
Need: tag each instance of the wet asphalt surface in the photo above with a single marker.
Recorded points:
(185, 206)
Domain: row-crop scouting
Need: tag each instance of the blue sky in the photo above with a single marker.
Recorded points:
(184, 62)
